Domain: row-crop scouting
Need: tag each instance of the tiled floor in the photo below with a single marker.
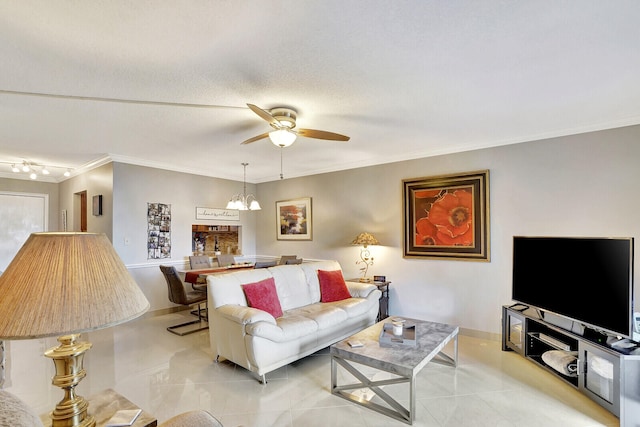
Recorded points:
(166, 374)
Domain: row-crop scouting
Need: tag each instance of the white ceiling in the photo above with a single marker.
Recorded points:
(165, 83)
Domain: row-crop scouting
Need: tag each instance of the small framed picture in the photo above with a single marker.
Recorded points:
(293, 219)
(97, 205)
(379, 278)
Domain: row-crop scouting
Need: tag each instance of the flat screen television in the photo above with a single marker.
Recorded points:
(587, 280)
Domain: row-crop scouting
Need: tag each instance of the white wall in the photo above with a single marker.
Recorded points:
(580, 185)
(38, 187)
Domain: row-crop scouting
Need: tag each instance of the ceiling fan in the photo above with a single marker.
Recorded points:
(283, 121)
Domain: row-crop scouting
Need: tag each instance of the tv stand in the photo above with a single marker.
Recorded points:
(607, 371)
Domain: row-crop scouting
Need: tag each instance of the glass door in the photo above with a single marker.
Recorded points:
(600, 379)
(513, 331)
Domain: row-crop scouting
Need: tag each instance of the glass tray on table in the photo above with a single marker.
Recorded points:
(408, 338)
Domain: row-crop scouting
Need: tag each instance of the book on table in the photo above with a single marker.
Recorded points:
(124, 417)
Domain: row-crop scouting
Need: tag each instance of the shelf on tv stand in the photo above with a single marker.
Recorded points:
(615, 387)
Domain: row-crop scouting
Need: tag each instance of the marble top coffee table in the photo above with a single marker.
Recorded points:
(404, 362)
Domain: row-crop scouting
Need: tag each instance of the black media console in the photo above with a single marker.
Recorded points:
(608, 374)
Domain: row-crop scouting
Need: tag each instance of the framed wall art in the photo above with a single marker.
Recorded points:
(447, 217)
(97, 205)
(217, 214)
(294, 220)
(158, 231)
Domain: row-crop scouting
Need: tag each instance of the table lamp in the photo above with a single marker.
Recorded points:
(63, 284)
(364, 240)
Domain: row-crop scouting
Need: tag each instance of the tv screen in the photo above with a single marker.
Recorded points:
(588, 280)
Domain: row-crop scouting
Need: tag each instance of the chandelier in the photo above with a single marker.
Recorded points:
(244, 201)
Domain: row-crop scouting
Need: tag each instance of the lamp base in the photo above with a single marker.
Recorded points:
(68, 359)
(366, 279)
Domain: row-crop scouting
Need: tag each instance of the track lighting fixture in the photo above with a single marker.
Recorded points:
(35, 169)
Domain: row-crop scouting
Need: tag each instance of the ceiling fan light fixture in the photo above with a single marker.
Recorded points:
(282, 137)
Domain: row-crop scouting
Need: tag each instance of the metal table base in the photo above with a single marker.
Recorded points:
(348, 360)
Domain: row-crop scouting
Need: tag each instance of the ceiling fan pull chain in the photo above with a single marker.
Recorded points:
(281, 176)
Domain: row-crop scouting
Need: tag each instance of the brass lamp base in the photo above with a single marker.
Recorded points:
(366, 280)
(68, 359)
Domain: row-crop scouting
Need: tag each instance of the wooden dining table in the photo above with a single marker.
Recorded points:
(192, 276)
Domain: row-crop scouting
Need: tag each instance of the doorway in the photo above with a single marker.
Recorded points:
(80, 208)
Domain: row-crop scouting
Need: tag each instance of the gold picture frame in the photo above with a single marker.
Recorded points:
(294, 219)
(447, 217)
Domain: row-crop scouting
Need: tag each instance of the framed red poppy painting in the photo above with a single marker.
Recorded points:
(447, 217)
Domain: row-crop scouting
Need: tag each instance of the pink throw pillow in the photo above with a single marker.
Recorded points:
(332, 286)
(262, 295)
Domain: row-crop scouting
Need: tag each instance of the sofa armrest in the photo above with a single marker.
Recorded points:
(360, 289)
(244, 315)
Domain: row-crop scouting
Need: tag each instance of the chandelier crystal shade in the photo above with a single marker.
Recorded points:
(244, 201)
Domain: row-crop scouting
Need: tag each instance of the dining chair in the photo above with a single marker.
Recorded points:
(264, 264)
(285, 258)
(199, 261)
(225, 260)
(178, 294)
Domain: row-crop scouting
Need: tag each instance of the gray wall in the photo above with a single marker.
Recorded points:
(580, 185)
(98, 181)
(135, 186)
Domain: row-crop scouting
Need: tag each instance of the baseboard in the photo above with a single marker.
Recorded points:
(163, 311)
(489, 336)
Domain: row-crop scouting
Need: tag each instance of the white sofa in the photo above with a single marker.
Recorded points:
(257, 341)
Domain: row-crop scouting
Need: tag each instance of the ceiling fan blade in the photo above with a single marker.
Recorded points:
(265, 116)
(256, 138)
(322, 134)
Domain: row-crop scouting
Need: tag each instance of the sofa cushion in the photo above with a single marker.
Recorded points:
(262, 295)
(332, 286)
(311, 274)
(289, 327)
(354, 306)
(225, 289)
(292, 287)
(325, 315)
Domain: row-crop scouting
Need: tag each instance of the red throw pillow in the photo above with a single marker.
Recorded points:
(332, 286)
(262, 295)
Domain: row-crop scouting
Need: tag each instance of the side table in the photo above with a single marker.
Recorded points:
(106, 403)
(383, 311)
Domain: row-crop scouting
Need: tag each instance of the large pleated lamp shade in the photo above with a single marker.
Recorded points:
(63, 284)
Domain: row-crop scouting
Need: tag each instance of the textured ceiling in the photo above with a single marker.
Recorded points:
(165, 84)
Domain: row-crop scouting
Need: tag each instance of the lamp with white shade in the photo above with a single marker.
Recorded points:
(64, 284)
